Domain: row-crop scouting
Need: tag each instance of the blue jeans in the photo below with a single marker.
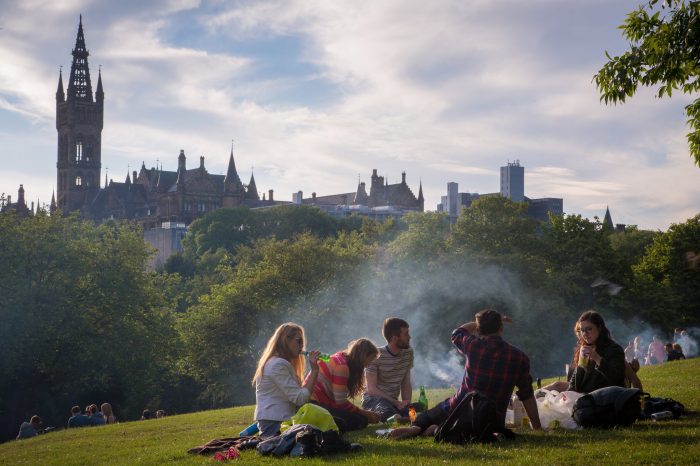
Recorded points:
(269, 428)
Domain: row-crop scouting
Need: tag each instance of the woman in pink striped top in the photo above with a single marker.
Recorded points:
(343, 377)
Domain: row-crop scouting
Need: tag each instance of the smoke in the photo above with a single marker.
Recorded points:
(434, 302)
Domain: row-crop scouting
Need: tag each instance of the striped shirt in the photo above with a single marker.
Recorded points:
(331, 387)
(391, 370)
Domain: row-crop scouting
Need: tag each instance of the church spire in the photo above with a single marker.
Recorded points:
(79, 85)
(420, 191)
(52, 206)
(252, 192)
(607, 221)
(99, 93)
(60, 95)
(232, 179)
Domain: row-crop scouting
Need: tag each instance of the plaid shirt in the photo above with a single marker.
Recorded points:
(493, 367)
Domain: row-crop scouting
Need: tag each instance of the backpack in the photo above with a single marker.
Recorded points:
(475, 418)
(656, 405)
(608, 407)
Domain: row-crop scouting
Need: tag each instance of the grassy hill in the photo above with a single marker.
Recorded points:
(165, 441)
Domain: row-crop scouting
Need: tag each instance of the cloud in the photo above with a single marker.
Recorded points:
(317, 92)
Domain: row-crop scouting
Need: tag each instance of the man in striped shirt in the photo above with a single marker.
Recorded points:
(390, 374)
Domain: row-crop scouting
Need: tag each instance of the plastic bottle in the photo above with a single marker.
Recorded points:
(250, 430)
(661, 415)
(393, 420)
(517, 411)
(321, 357)
(422, 399)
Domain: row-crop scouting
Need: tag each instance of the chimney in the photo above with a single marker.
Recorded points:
(134, 177)
(403, 177)
(269, 194)
(313, 197)
(201, 163)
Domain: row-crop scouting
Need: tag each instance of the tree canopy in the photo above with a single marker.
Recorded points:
(664, 50)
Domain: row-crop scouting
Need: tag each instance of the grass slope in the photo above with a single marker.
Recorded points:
(165, 441)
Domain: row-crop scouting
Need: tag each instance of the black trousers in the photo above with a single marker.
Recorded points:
(346, 420)
(435, 415)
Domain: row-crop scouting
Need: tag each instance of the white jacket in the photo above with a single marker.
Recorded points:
(278, 394)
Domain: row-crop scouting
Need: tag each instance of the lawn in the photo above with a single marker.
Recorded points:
(165, 441)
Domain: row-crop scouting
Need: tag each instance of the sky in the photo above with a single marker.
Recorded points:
(317, 94)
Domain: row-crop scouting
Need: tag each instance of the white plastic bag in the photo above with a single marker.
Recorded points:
(555, 409)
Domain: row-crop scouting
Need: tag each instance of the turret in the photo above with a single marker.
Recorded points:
(60, 95)
(252, 192)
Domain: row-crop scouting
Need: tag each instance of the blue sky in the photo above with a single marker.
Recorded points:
(317, 93)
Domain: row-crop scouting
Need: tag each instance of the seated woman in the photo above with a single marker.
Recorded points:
(278, 388)
(598, 361)
(106, 410)
(343, 377)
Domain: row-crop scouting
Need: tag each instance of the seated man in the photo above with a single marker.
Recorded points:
(493, 367)
(30, 429)
(78, 419)
(96, 417)
(390, 373)
(673, 353)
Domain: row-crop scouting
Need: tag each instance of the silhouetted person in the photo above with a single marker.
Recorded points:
(160, 413)
(673, 354)
(30, 429)
(78, 419)
(146, 414)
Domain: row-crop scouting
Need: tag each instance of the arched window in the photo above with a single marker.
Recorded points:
(79, 151)
(78, 181)
(88, 151)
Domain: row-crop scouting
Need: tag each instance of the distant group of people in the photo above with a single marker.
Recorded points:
(383, 375)
(146, 414)
(657, 351)
(92, 417)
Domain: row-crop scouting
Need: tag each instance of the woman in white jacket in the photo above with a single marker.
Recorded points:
(278, 379)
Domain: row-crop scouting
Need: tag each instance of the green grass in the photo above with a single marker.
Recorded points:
(165, 441)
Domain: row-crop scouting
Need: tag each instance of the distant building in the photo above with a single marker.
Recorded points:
(512, 187)
(151, 196)
(383, 201)
(513, 181)
(20, 207)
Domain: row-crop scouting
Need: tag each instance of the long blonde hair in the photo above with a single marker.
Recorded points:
(277, 346)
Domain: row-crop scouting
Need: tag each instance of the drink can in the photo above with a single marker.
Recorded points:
(661, 415)
(250, 430)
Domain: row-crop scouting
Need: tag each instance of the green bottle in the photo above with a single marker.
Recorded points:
(422, 399)
(321, 357)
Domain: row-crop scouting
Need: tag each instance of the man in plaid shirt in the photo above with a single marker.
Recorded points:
(493, 367)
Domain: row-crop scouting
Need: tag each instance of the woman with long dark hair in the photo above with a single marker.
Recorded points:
(597, 361)
(343, 377)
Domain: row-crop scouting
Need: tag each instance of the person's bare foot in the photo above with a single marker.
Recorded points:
(404, 432)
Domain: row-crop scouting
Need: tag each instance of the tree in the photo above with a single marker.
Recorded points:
(664, 40)
(667, 279)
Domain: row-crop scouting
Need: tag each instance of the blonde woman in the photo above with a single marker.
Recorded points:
(106, 409)
(278, 379)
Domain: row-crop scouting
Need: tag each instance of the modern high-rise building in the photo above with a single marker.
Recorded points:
(513, 181)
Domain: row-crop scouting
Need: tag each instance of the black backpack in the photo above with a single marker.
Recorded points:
(608, 407)
(656, 405)
(474, 419)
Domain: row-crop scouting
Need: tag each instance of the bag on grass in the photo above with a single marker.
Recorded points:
(656, 405)
(608, 407)
(555, 408)
(312, 414)
(474, 419)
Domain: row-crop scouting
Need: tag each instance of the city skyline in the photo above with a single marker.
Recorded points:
(316, 94)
